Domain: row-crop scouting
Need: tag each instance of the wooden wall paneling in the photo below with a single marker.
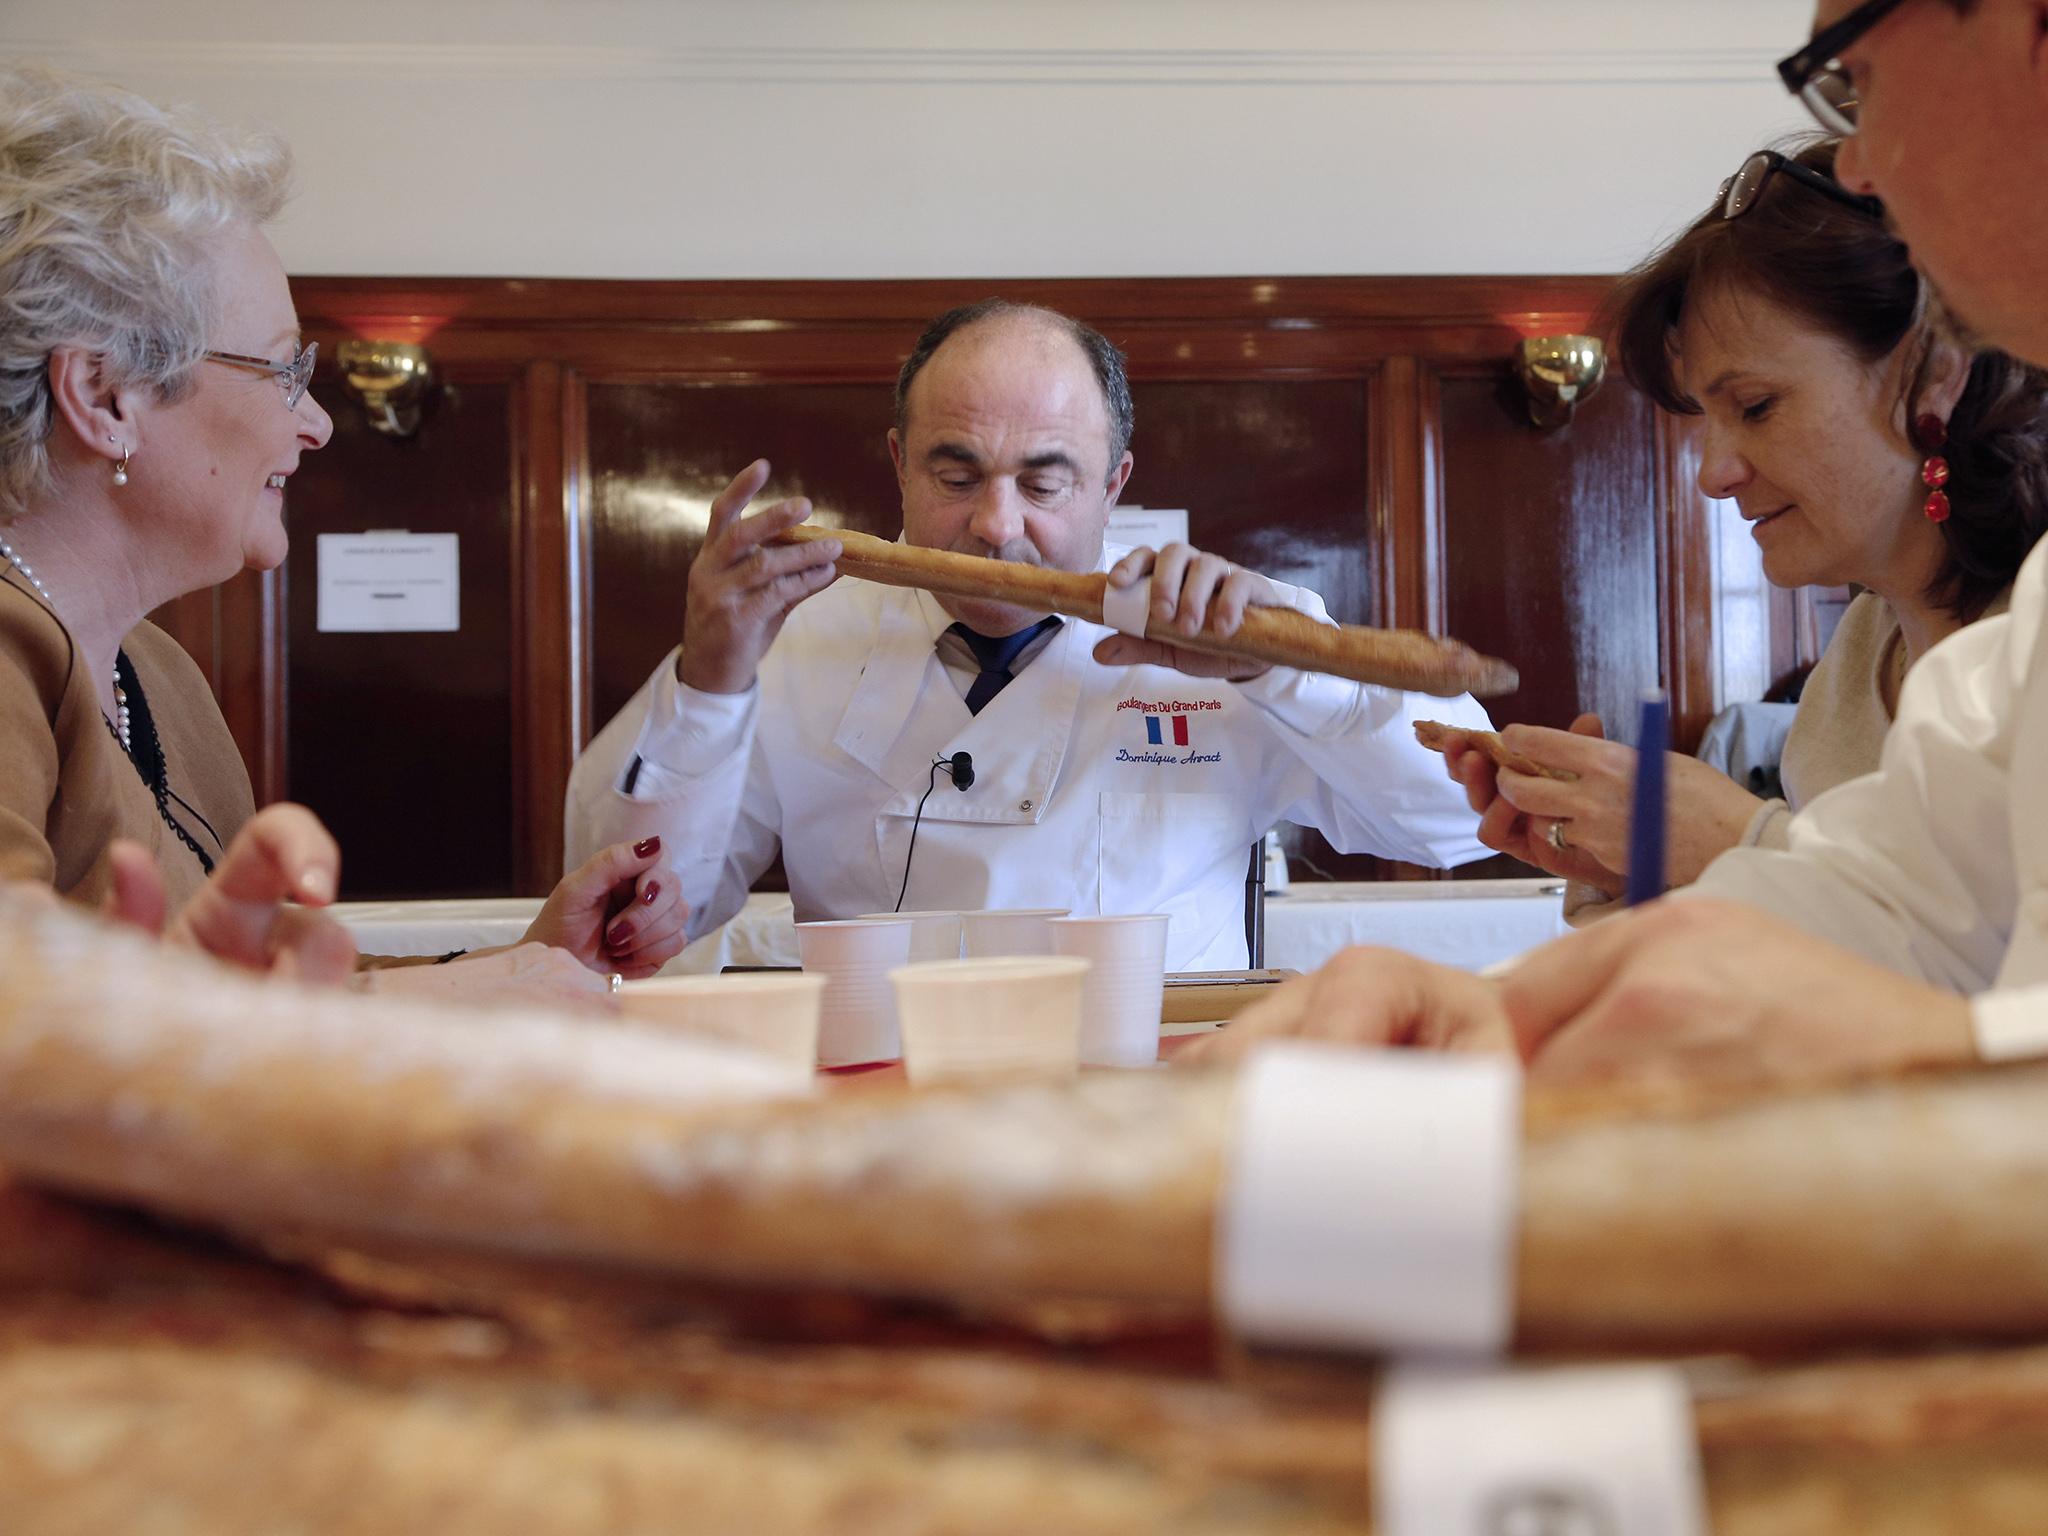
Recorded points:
(403, 743)
(233, 633)
(546, 621)
(630, 403)
(577, 515)
(250, 684)
(1552, 550)
(1403, 524)
(660, 450)
(1686, 556)
(1471, 313)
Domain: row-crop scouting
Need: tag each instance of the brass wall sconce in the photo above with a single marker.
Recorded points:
(1559, 372)
(389, 379)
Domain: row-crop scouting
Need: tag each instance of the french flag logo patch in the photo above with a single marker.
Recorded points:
(1154, 736)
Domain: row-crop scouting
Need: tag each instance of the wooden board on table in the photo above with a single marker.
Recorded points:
(1209, 997)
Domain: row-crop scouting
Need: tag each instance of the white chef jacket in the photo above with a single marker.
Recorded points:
(1937, 864)
(1097, 789)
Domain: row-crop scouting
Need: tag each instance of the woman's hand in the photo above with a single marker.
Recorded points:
(522, 976)
(253, 910)
(1708, 811)
(618, 911)
(1502, 825)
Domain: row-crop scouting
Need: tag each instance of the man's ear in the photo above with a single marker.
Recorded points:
(896, 453)
(97, 414)
(1118, 478)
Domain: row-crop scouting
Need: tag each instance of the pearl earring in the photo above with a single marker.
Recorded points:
(120, 469)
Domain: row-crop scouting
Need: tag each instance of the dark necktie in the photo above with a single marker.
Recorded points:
(995, 654)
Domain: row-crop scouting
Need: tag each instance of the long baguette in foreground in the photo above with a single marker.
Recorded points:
(256, 1403)
(1889, 1210)
(1392, 658)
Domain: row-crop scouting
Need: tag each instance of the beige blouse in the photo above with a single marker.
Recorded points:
(1837, 734)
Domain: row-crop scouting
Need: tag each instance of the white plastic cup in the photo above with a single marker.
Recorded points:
(1126, 984)
(857, 1014)
(1008, 931)
(933, 935)
(1016, 1016)
(774, 1013)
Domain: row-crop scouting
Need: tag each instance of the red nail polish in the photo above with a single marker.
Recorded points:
(647, 849)
(653, 890)
(617, 936)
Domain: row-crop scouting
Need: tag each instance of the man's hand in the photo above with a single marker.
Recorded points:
(1679, 991)
(244, 914)
(617, 911)
(1197, 594)
(1371, 997)
(742, 587)
(1705, 990)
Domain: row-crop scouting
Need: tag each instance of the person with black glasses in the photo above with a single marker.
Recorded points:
(1790, 322)
(1906, 924)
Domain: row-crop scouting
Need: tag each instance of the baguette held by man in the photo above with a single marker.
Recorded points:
(1391, 658)
(1895, 1209)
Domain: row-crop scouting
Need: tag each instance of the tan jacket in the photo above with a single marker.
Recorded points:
(66, 787)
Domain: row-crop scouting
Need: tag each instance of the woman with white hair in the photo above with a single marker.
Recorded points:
(153, 407)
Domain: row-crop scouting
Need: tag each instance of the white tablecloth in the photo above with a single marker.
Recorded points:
(1465, 923)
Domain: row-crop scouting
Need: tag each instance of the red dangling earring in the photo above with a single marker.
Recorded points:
(1930, 434)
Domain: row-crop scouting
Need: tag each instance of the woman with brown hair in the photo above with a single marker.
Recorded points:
(1863, 445)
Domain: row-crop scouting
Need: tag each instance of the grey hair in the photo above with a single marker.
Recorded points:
(1102, 354)
(107, 205)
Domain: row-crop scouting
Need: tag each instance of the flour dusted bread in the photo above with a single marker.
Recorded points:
(131, 1073)
(1392, 658)
(261, 1403)
(1884, 1210)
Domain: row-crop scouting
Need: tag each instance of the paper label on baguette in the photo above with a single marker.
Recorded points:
(1591, 1452)
(1370, 1202)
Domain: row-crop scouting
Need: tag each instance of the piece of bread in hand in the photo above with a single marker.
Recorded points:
(1436, 736)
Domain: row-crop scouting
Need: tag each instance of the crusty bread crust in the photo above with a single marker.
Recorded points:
(1437, 736)
(1391, 658)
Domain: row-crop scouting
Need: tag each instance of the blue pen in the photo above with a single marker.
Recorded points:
(1646, 813)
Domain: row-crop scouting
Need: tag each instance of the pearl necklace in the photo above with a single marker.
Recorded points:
(120, 722)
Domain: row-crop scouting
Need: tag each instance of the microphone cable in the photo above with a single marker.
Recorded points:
(960, 769)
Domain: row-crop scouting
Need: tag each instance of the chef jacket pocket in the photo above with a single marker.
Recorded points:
(1165, 853)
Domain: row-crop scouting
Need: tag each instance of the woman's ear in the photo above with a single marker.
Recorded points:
(1943, 380)
(97, 414)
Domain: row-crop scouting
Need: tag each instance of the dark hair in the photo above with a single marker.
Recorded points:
(1843, 272)
(1101, 352)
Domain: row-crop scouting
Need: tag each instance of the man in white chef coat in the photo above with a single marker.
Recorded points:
(1110, 774)
(1907, 924)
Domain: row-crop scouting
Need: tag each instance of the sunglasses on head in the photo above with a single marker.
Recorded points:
(1742, 191)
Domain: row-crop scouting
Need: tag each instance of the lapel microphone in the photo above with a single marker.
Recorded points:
(960, 769)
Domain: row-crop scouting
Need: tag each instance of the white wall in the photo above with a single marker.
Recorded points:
(873, 138)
